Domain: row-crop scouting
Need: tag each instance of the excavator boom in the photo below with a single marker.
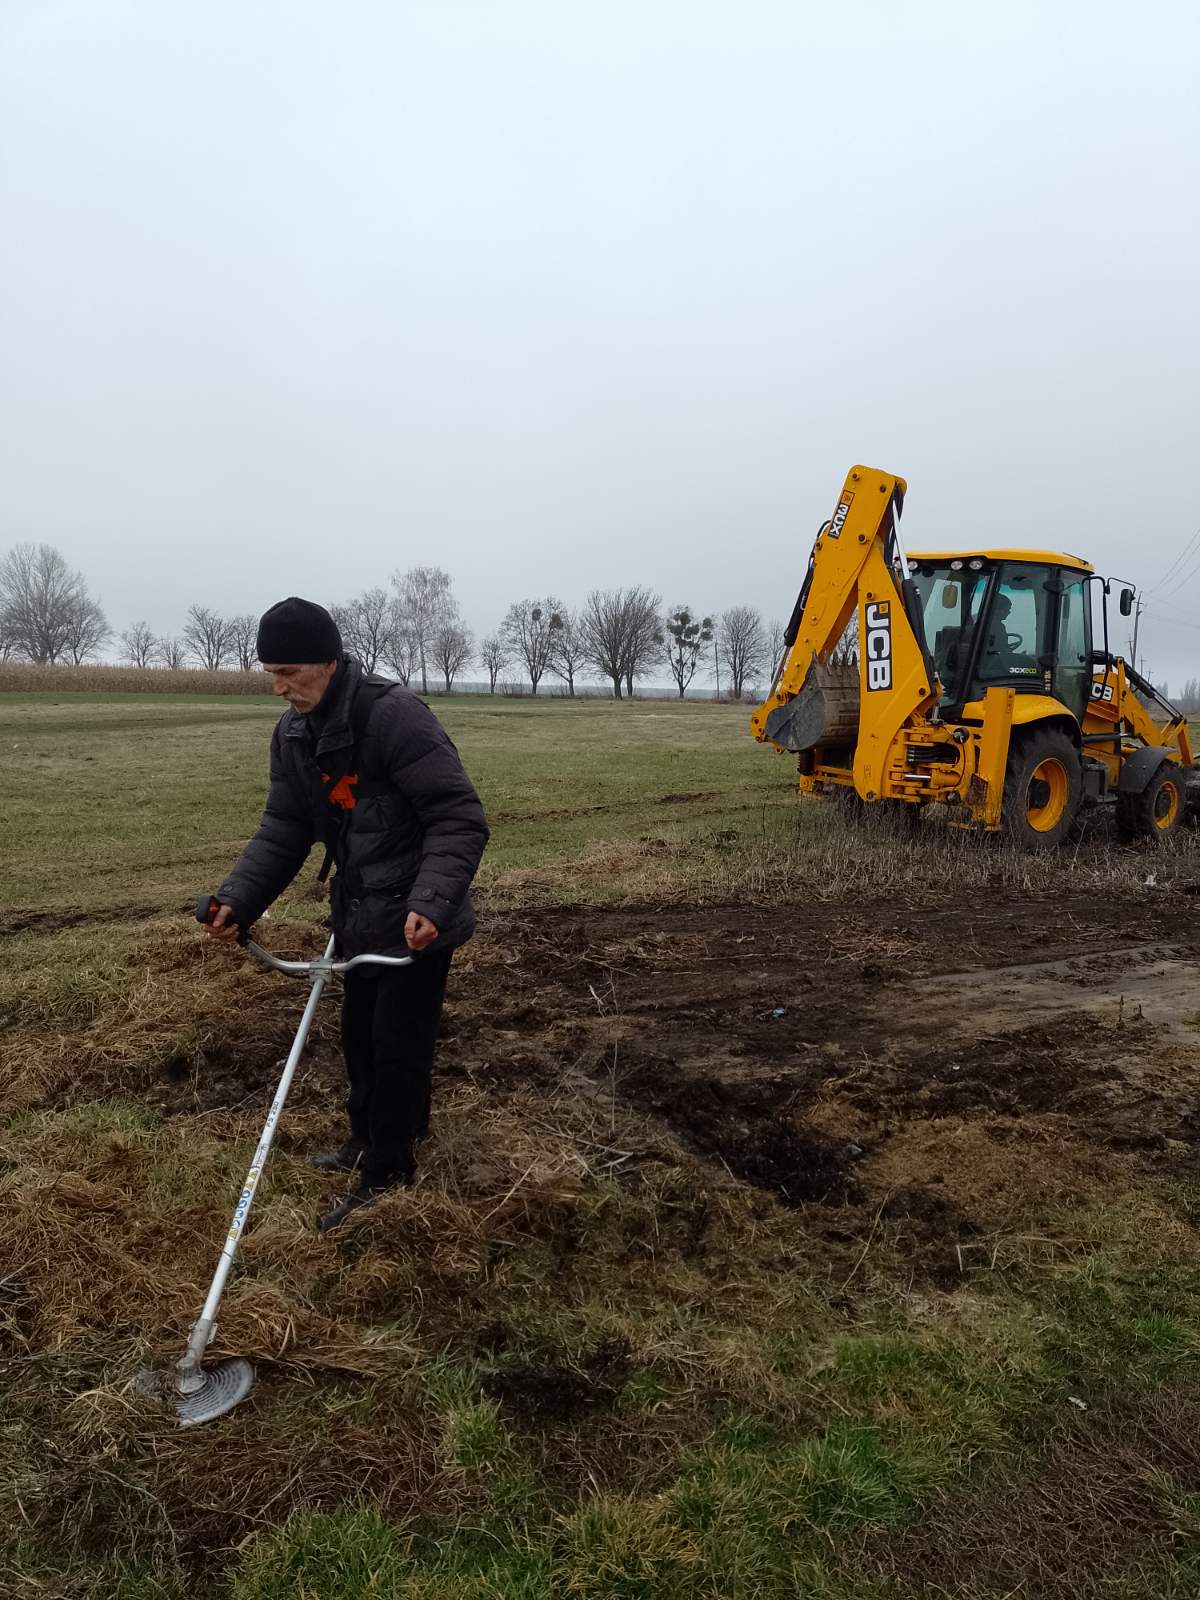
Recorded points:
(855, 668)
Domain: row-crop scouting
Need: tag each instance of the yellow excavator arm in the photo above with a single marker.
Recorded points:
(883, 679)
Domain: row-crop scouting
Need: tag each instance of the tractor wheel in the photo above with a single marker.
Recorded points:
(1158, 810)
(1041, 790)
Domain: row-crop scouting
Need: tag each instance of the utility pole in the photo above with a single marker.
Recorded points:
(717, 664)
(1137, 613)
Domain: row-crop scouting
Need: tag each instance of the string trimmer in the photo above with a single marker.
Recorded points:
(200, 1393)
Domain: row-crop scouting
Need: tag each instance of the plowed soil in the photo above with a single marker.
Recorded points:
(942, 1076)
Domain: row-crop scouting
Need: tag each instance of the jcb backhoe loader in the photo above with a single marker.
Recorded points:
(970, 678)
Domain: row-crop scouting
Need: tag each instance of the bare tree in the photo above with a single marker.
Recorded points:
(776, 631)
(137, 644)
(741, 646)
(529, 629)
(87, 629)
(398, 650)
(644, 645)
(208, 637)
(686, 636)
(602, 626)
(364, 624)
(568, 654)
(453, 646)
(40, 603)
(621, 634)
(494, 654)
(171, 652)
(423, 603)
(243, 641)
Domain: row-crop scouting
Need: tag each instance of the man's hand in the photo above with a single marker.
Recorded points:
(418, 931)
(222, 927)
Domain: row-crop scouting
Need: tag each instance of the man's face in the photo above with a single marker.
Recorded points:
(302, 684)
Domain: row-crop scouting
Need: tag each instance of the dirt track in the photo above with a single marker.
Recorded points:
(935, 1080)
(949, 1071)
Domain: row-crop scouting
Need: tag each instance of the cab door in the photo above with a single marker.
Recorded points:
(1073, 643)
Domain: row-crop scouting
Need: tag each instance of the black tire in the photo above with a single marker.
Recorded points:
(1158, 811)
(1041, 789)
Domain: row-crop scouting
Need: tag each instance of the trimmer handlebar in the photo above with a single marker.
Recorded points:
(207, 906)
(311, 969)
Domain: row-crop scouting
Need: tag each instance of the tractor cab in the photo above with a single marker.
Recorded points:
(1014, 619)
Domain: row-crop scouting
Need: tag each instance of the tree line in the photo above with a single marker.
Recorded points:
(411, 629)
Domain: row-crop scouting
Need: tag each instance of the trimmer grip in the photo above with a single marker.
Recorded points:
(207, 906)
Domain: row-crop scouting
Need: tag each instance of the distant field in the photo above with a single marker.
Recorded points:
(812, 1207)
(19, 678)
(121, 800)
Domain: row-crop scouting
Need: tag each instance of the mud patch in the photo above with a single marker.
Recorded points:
(929, 1232)
(741, 1126)
(48, 921)
(1058, 1068)
(552, 1394)
(546, 1387)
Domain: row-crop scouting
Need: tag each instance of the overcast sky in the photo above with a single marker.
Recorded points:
(569, 296)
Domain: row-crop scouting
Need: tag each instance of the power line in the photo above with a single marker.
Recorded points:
(1170, 622)
(1187, 577)
(1184, 611)
(1184, 555)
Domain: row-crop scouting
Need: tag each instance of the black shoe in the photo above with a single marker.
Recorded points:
(364, 1195)
(344, 1160)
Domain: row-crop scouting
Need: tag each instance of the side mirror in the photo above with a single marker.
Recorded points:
(1126, 602)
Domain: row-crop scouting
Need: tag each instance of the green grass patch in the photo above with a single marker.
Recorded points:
(38, 1569)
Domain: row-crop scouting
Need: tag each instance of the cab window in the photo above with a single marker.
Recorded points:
(1017, 625)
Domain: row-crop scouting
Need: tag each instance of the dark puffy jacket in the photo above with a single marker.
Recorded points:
(411, 840)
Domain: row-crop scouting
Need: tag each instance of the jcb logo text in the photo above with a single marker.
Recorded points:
(879, 644)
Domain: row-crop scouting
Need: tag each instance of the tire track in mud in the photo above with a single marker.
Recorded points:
(43, 921)
(801, 1049)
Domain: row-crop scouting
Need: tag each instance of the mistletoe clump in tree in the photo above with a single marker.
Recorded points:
(530, 630)
(686, 638)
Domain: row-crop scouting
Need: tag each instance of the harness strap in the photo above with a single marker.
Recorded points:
(338, 786)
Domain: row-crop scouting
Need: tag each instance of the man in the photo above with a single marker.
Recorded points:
(365, 767)
(999, 655)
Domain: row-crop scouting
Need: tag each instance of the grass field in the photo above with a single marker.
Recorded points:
(811, 1210)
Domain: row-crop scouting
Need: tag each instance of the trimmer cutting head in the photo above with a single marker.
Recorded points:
(203, 1395)
(223, 1385)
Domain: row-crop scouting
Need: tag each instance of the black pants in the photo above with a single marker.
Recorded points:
(390, 1021)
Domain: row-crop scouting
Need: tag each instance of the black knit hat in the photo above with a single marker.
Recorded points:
(296, 631)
